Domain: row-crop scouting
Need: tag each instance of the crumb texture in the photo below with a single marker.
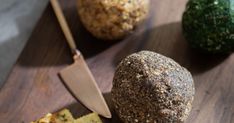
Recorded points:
(65, 116)
(151, 88)
(112, 19)
(91, 118)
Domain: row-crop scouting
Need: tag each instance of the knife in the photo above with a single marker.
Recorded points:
(77, 76)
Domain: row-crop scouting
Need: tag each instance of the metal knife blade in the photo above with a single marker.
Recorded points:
(81, 83)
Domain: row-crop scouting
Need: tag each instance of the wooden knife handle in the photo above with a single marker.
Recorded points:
(63, 23)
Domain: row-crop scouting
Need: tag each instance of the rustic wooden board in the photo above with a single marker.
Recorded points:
(33, 87)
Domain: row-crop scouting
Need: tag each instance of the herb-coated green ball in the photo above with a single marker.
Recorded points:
(208, 25)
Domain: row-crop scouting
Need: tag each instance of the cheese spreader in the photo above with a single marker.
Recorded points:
(77, 76)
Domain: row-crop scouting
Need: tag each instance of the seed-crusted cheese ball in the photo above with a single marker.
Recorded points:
(151, 88)
(112, 19)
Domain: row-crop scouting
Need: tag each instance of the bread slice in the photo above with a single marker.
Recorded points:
(63, 116)
(90, 118)
(46, 119)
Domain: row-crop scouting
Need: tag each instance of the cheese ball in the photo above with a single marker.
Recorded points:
(151, 88)
(208, 25)
(112, 19)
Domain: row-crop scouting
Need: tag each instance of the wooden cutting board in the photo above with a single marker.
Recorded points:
(33, 88)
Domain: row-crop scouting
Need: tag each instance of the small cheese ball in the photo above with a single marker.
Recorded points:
(208, 25)
(112, 19)
(151, 88)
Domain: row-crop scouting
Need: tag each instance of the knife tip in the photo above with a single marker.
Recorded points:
(107, 115)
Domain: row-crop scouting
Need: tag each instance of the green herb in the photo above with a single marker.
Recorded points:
(208, 25)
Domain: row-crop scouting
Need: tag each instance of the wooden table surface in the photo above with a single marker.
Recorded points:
(33, 88)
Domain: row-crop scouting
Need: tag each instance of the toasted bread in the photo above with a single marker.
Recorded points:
(63, 116)
(90, 118)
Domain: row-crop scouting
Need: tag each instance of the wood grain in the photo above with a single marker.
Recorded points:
(33, 87)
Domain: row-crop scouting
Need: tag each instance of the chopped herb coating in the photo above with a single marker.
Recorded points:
(208, 25)
(151, 88)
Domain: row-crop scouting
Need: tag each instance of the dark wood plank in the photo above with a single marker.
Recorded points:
(33, 87)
